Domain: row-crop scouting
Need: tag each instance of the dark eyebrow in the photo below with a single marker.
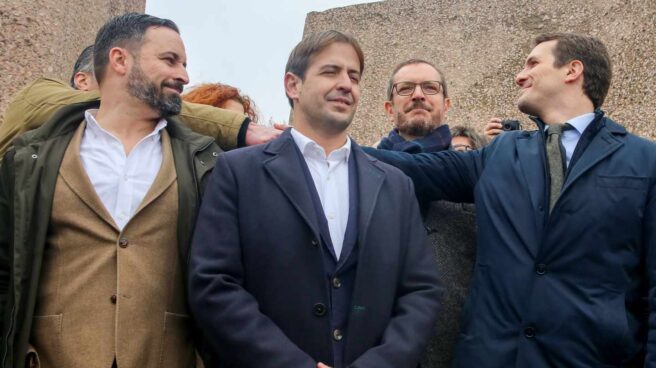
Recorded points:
(175, 56)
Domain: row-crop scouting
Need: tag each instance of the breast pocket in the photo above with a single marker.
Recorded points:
(637, 183)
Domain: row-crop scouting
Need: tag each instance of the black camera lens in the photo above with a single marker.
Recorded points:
(510, 124)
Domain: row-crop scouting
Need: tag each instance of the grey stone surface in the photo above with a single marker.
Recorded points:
(44, 37)
(481, 45)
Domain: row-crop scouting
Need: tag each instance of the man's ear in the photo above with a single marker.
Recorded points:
(389, 110)
(119, 60)
(293, 86)
(447, 105)
(574, 71)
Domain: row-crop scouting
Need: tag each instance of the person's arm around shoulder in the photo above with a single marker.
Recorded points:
(227, 313)
(32, 106)
(447, 175)
(419, 294)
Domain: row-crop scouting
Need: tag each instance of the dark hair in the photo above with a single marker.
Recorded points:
(478, 141)
(597, 70)
(83, 64)
(127, 31)
(390, 83)
(301, 55)
(217, 94)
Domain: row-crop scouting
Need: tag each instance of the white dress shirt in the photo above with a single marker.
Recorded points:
(570, 137)
(120, 181)
(331, 179)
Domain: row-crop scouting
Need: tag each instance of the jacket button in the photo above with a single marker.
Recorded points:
(319, 309)
(337, 334)
(123, 242)
(541, 269)
(113, 298)
(315, 242)
(529, 332)
(337, 283)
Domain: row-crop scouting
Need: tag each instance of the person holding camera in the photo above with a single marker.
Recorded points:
(565, 271)
(496, 126)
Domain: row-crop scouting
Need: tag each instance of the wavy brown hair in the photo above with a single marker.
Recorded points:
(217, 94)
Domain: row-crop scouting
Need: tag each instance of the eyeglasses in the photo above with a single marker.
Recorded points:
(408, 88)
(462, 147)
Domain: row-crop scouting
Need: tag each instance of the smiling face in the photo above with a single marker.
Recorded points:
(159, 73)
(419, 113)
(327, 97)
(540, 81)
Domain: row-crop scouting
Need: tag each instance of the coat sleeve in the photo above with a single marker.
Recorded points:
(649, 226)
(227, 313)
(417, 305)
(35, 104)
(6, 224)
(447, 175)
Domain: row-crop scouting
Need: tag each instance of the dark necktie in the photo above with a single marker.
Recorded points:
(555, 157)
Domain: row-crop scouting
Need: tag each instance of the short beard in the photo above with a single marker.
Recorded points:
(146, 91)
(415, 128)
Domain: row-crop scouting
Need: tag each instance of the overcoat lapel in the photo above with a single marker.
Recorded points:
(530, 153)
(284, 167)
(75, 176)
(602, 145)
(370, 180)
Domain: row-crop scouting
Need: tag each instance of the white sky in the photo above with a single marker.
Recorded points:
(244, 43)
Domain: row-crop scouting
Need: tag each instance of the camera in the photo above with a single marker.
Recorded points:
(510, 124)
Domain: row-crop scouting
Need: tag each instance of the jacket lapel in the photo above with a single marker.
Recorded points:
(165, 177)
(285, 169)
(75, 176)
(602, 145)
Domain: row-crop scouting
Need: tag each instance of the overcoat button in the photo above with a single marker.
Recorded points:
(315, 242)
(337, 283)
(319, 309)
(529, 332)
(113, 298)
(337, 335)
(541, 269)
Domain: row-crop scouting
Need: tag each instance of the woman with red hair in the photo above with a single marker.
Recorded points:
(222, 96)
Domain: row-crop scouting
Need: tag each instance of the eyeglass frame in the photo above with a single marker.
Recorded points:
(415, 88)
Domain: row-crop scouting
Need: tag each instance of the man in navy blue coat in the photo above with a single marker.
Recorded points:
(307, 252)
(571, 285)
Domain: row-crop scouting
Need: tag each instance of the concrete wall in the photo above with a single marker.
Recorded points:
(481, 45)
(45, 37)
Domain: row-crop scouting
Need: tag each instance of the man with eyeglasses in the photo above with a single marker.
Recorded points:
(417, 105)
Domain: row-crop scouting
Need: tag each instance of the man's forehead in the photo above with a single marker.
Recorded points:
(336, 54)
(543, 49)
(418, 71)
(163, 39)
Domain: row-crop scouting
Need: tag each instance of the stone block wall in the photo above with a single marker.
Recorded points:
(481, 46)
(45, 37)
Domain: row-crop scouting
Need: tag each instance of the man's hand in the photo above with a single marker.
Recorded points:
(321, 365)
(256, 134)
(493, 128)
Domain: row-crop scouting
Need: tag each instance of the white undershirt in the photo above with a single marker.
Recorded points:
(120, 181)
(331, 179)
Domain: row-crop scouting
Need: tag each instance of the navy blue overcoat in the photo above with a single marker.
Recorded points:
(256, 270)
(568, 289)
